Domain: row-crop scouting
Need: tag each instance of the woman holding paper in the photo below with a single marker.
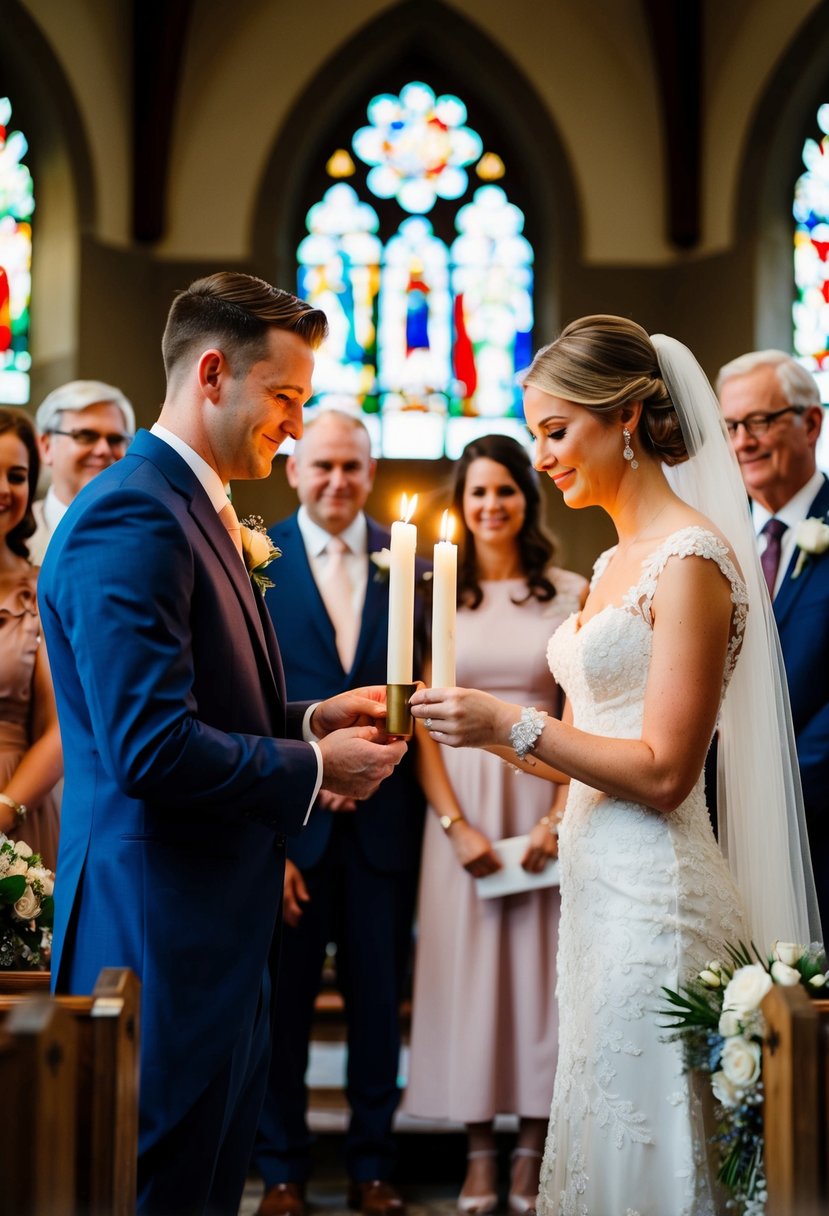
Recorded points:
(495, 955)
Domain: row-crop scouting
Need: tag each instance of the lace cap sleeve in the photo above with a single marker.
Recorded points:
(600, 565)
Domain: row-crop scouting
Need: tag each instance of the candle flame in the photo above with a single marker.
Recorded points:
(447, 526)
(408, 506)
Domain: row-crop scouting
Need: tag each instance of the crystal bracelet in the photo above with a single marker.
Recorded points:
(527, 730)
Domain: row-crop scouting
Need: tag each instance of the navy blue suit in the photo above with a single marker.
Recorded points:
(801, 609)
(179, 787)
(360, 870)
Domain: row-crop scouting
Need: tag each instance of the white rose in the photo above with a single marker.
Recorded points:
(812, 535)
(19, 866)
(257, 547)
(817, 981)
(746, 988)
(28, 906)
(723, 1089)
(787, 952)
(783, 974)
(710, 978)
(729, 1024)
(43, 876)
(22, 849)
(741, 1062)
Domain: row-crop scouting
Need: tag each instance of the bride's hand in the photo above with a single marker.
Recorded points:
(464, 717)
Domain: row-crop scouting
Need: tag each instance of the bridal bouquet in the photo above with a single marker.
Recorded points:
(26, 906)
(717, 1017)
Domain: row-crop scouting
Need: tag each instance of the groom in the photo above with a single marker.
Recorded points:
(185, 767)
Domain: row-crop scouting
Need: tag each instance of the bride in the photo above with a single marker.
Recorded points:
(675, 639)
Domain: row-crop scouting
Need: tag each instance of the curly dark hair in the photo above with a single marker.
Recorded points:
(19, 424)
(535, 547)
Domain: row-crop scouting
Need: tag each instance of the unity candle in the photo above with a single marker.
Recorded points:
(401, 595)
(444, 606)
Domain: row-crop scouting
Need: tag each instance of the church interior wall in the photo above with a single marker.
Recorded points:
(245, 76)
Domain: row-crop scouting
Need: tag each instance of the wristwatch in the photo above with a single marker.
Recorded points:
(446, 821)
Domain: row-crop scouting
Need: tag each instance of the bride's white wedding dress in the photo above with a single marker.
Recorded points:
(646, 900)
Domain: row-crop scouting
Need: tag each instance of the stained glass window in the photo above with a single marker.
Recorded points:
(16, 207)
(421, 264)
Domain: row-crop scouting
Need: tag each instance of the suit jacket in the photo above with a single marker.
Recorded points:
(389, 825)
(801, 609)
(170, 691)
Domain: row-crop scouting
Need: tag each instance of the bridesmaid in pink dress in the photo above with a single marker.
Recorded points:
(484, 1023)
(31, 762)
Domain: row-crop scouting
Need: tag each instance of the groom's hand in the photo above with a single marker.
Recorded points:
(359, 707)
(356, 759)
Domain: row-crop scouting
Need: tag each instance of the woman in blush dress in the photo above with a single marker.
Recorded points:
(675, 638)
(30, 753)
(484, 1029)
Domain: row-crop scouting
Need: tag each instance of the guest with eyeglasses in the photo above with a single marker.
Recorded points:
(84, 426)
(773, 415)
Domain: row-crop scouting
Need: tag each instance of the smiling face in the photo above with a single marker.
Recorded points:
(332, 471)
(777, 464)
(14, 482)
(494, 507)
(581, 454)
(261, 407)
(75, 463)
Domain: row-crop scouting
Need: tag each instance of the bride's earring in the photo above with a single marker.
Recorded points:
(628, 450)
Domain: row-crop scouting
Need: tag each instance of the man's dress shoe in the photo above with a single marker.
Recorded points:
(377, 1198)
(284, 1199)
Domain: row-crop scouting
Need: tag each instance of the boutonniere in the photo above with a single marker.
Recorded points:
(381, 560)
(811, 537)
(258, 550)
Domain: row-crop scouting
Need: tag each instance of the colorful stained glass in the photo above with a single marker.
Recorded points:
(16, 207)
(427, 334)
(418, 147)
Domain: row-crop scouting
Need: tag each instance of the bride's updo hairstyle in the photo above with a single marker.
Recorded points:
(602, 363)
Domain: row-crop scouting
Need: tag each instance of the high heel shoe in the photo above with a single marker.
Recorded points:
(478, 1205)
(522, 1205)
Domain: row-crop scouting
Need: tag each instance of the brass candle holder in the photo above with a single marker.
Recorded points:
(399, 721)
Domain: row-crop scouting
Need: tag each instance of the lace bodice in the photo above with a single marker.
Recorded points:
(603, 665)
(646, 900)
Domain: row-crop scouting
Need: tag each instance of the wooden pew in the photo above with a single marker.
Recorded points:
(32, 983)
(796, 1106)
(38, 1082)
(106, 1105)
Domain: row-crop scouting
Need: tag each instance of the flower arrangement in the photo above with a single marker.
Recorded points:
(812, 538)
(258, 550)
(718, 1019)
(26, 906)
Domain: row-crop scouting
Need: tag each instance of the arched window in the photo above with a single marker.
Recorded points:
(16, 207)
(420, 261)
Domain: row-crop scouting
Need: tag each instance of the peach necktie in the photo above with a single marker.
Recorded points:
(337, 594)
(230, 520)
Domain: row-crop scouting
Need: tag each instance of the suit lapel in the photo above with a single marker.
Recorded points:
(792, 587)
(305, 589)
(184, 480)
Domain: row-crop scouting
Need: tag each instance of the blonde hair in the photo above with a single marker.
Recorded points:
(603, 363)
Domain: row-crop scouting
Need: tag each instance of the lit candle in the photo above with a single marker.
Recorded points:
(444, 606)
(401, 595)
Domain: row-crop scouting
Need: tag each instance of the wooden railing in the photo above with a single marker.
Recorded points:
(796, 1105)
(105, 1099)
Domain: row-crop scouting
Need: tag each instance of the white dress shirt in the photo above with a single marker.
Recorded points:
(355, 537)
(791, 515)
(217, 493)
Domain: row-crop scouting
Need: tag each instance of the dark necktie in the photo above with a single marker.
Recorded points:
(770, 557)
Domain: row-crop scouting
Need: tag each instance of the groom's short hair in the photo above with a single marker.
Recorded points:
(234, 312)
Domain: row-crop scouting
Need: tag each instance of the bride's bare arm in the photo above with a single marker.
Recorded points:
(692, 618)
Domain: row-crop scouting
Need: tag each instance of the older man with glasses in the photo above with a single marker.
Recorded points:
(773, 414)
(84, 426)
